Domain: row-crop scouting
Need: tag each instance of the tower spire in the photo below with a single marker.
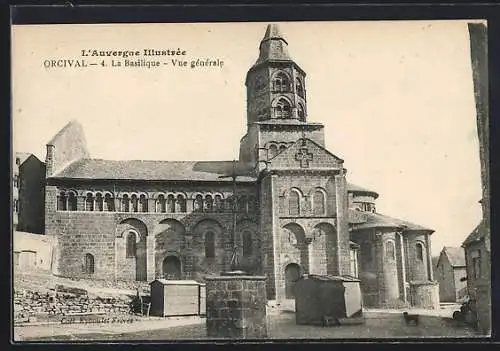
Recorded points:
(273, 47)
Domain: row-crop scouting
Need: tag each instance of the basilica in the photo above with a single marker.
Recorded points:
(285, 205)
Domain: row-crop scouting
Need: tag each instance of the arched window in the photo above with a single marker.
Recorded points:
(294, 203)
(242, 204)
(88, 264)
(230, 204)
(282, 148)
(283, 109)
(89, 202)
(301, 113)
(218, 205)
(299, 87)
(390, 250)
(252, 204)
(161, 204)
(209, 203)
(476, 264)
(281, 83)
(319, 203)
(247, 244)
(366, 252)
(131, 244)
(273, 151)
(209, 245)
(134, 203)
(72, 201)
(62, 201)
(143, 201)
(125, 203)
(170, 203)
(99, 202)
(198, 203)
(420, 251)
(109, 203)
(180, 203)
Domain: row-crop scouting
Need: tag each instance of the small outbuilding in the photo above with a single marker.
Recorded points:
(177, 298)
(320, 297)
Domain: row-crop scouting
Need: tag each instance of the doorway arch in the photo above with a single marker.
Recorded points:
(171, 268)
(292, 273)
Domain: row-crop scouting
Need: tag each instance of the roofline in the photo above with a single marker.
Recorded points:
(149, 180)
(364, 192)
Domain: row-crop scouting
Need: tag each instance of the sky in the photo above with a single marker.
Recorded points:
(396, 99)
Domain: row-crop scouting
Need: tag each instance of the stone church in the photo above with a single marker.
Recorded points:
(284, 204)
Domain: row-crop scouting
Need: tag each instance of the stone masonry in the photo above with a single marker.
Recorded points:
(236, 307)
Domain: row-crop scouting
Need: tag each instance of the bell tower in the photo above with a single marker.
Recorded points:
(276, 102)
(275, 83)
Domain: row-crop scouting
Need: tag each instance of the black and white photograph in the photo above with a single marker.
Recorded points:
(250, 181)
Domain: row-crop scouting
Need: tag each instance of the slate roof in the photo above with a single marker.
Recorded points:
(352, 188)
(376, 220)
(23, 156)
(155, 170)
(273, 46)
(73, 124)
(477, 234)
(456, 256)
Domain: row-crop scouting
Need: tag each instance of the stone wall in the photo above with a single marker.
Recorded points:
(388, 279)
(236, 307)
(31, 196)
(163, 234)
(417, 269)
(34, 303)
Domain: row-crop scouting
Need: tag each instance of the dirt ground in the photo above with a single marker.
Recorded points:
(280, 326)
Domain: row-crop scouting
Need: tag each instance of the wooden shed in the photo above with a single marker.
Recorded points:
(177, 298)
(320, 296)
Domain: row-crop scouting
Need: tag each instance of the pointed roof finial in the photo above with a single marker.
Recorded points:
(273, 32)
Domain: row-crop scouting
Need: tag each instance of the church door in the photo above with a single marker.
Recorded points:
(171, 268)
(292, 273)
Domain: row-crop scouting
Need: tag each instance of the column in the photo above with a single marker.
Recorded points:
(118, 205)
(342, 243)
(150, 257)
(152, 205)
(189, 205)
(188, 257)
(80, 203)
(430, 270)
(403, 266)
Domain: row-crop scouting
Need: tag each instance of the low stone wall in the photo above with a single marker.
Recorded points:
(424, 295)
(32, 303)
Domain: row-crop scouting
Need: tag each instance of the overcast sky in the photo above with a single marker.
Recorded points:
(396, 99)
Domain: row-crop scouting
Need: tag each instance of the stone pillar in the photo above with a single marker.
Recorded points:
(151, 205)
(428, 253)
(188, 257)
(150, 257)
(80, 203)
(236, 306)
(342, 226)
(403, 266)
(118, 205)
